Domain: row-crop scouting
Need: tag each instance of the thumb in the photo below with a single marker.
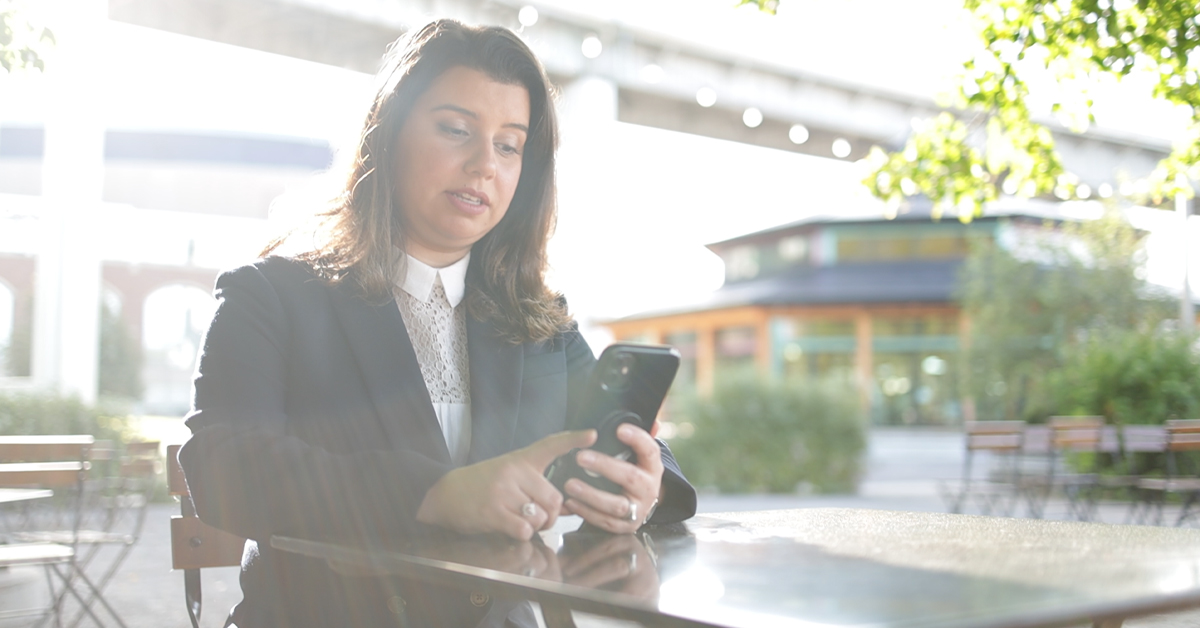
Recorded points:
(543, 452)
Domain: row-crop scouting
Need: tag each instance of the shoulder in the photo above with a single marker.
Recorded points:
(272, 274)
(273, 268)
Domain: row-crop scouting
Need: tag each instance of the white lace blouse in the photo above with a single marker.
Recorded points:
(429, 300)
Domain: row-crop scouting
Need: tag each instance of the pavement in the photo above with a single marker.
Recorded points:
(903, 471)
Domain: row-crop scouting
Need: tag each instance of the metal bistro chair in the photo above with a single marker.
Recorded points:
(1073, 435)
(1183, 435)
(999, 444)
(59, 463)
(195, 545)
(1138, 444)
(114, 512)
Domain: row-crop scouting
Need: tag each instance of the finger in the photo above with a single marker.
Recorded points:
(649, 456)
(536, 514)
(511, 523)
(603, 519)
(544, 495)
(633, 480)
(610, 504)
(543, 452)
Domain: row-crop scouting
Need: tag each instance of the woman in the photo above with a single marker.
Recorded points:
(410, 369)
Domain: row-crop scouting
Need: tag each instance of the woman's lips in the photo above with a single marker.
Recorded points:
(469, 200)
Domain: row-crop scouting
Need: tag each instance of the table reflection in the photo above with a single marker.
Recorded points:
(817, 567)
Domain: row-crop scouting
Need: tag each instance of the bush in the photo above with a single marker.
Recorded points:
(26, 413)
(1131, 377)
(755, 436)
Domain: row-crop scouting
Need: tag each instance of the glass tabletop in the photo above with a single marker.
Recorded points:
(818, 567)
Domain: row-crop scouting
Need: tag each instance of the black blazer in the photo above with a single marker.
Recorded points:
(311, 418)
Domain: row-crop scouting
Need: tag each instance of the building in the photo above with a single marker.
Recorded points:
(867, 299)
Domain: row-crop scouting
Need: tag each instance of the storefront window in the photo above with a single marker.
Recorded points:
(813, 348)
(915, 371)
(685, 343)
(735, 347)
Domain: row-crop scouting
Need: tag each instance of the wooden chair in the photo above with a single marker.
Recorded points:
(58, 463)
(1183, 435)
(1068, 435)
(1135, 443)
(1001, 442)
(195, 545)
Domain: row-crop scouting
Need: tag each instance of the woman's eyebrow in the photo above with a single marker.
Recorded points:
(475, 116)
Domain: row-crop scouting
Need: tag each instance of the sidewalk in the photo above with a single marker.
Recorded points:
(903, 469)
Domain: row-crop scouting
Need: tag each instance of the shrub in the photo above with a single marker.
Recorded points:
(1131, 377)
(27, 413)
(756, 436)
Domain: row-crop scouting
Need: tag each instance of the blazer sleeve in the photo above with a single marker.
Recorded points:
(247, 474)
(678, 500)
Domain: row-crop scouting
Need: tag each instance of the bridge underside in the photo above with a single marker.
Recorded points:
(354, 34)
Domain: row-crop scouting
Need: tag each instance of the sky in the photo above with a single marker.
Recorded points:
(637, 204)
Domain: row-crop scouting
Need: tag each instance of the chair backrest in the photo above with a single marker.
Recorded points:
(1144, 438)
(1000, 436)
(1076, 433)
(195, 544)
(44, 461)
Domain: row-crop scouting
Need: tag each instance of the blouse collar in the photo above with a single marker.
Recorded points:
(419, 279)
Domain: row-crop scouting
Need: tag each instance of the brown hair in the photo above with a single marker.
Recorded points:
(355, 238)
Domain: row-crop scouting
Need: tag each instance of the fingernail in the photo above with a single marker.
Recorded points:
(573, 487)
(585, 457)
(626, 430)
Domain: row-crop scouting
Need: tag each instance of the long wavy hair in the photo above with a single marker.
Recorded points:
(355, 239)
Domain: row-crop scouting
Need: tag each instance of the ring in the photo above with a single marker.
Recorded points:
(529, 509)
(632, 510)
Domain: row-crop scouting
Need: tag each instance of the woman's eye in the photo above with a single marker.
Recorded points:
(453, 131)
(508, 149)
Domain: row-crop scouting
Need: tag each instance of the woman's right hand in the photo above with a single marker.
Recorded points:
(490, 496)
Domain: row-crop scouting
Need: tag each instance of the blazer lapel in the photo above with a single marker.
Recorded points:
(495, 389)
(389, 368)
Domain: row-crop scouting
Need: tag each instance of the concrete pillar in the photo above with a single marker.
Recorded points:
(66, 332)
(864, 354)
(706, 358)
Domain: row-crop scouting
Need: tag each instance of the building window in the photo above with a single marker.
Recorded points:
(915, 371)
(742, 263)
(735, 349)
(685, 343)
(793, 249)
(892, 246)
(812, 348)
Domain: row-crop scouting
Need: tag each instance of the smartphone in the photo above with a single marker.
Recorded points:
(627, 385)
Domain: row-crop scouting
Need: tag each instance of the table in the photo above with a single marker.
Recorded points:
(814, 567)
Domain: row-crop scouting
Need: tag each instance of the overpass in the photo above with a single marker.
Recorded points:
(607, 71)
(657, 80)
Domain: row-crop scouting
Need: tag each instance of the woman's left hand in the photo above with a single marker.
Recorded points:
(624, 512)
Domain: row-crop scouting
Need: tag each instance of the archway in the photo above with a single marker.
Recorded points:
(174, 320)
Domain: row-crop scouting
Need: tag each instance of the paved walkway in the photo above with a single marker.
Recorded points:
(903, 469)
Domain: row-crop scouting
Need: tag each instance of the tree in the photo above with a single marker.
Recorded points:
(991, 144)
(1030, 308)
(23, 43)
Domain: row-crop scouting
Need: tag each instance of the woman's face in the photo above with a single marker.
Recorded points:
(458, 162)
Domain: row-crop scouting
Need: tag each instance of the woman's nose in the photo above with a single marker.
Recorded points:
(483, 161)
